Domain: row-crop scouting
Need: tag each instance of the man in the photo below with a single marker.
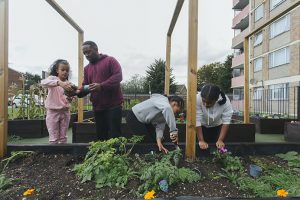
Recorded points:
(103, 75)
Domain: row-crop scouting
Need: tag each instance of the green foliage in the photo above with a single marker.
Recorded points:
(103, 165)
(4, 183)
(31, 79)
(165, 168)
(293, 159)
(135, 85)
(229, 162)
(216, 73)
(155, 76)
(132, 103)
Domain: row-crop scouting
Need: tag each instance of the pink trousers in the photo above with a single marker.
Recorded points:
(58, 123)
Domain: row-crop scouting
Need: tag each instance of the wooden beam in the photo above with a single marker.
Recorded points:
(3, 75)
(175, 16)
(167, 68)
(80, 75)
(190, 149)
(246, 81)
(64, 15)
(293, 6)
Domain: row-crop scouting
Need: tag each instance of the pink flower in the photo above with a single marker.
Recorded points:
(222, 150)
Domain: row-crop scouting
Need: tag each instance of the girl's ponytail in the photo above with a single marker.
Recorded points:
(223, 100)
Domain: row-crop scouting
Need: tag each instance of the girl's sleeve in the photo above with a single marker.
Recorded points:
(51, 81)
(168, 115)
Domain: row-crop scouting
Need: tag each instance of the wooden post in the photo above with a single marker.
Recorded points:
(167, 68)
(190, 150)
(80, 75)
(246, 81)
(3, 75)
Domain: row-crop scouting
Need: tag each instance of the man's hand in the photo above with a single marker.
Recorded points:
(174, 137)
(161, 146)
(203, 145)
(220, 144)
(95, 87)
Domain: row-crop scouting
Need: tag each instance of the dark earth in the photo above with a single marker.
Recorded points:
(53, 178)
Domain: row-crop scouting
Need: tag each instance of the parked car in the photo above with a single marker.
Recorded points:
(16, 101)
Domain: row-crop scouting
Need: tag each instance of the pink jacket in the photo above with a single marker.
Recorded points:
(56, 98)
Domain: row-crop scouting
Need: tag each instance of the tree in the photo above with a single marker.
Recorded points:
(225, 75)
(135, 85)
(208, 74)
(155, 78)
(31, 79)
(216, 73)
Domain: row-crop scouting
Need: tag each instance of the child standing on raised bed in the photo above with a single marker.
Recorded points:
(57, 103)
(152, 115)
(213, 116)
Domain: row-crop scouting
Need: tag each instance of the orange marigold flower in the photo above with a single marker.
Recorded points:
(28, 192)
(150, 195)
(282, 193)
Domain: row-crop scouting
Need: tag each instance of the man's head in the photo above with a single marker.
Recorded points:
(90, 50)
(176, 103)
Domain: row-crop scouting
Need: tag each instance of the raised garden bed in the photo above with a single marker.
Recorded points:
(269, 126)
(34, 128)
(52, 177)
(86, 132)
(292, 131)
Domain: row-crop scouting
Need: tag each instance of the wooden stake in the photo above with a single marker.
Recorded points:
(3, 75)
(167, 68)
(80, 75)
(190, 149)
(246, 81)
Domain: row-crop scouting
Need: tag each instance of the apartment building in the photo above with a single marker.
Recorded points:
(274, 58)
(240, 25)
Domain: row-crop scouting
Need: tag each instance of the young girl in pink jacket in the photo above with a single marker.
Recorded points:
(57, 104)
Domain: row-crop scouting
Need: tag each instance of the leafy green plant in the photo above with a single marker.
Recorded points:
(105, 166)
(165, 168)
(132, 103)
(4, 183)
(293, 159)
(229, 162)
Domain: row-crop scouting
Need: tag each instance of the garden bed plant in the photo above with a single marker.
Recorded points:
(111, 170)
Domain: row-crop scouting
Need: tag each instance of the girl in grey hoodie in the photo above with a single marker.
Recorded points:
(213, 116)
(152, 115)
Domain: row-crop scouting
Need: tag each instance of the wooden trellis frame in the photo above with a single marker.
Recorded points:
(4, 67)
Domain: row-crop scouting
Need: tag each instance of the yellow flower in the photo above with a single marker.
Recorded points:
(28, 192)
(150, 195)
(282, 193)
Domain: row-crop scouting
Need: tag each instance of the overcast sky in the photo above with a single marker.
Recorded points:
(132, 31)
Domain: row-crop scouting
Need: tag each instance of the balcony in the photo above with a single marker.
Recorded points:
(238, 41)
(241, 20)
(237, 81)
(238, 61)
(239, 4)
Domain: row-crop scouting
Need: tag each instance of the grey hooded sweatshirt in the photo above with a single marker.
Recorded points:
(157, 111)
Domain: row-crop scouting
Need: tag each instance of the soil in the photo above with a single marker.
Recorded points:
(53, 178)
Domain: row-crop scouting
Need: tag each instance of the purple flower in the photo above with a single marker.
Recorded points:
(222, 150)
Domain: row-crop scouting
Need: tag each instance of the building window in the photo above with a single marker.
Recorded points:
(258, 38)
(279, 57)
(259, 12)
(238, 94)
(275, 3)
(280, 26)
(258, 93)
(278, 92)
(258, 64)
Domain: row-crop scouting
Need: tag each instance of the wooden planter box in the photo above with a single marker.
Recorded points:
(86, 132)
(292, 132)
(269, 126)
(35, 128)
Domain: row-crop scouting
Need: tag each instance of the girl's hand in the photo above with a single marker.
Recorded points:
(161, 146)
(174, 137)
(65, 85)
(203, 145)
(220, 144)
